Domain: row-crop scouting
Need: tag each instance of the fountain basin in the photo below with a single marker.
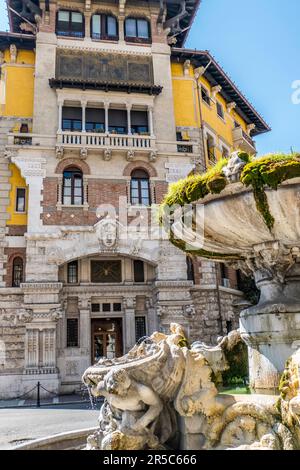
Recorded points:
(228, 227)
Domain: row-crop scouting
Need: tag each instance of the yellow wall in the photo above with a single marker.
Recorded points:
(186, 104)
(16, 181)
(17, 82)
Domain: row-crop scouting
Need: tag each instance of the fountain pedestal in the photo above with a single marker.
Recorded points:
(271, 329)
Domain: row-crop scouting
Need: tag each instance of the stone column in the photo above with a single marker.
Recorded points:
(121, 28)
(129, 323)
(85, 327)
(150, 121)
(60, 107)
(83, 117)
(129, 119)
(106, 108)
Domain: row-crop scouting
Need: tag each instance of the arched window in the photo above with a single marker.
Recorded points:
(70, 23)
(104, 27)
(140, 188)
(137, 29)
(17, 272)
(72, 193)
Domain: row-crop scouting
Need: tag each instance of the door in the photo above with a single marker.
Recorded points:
(106, 339)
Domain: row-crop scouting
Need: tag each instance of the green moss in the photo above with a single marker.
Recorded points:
(268, 171)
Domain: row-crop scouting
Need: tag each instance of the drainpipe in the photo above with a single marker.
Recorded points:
(199, 72)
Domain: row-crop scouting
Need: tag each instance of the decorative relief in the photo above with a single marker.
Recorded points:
(130, 155)
(107, 155)
(104, 67)
(59, 152)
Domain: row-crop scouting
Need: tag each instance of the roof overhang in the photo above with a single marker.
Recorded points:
(105, 86)
(22, 41)
(216, 76)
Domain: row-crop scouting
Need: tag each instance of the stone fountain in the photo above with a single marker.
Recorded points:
(233, 230)
(163, 393)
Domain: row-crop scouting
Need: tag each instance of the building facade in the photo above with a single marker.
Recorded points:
(102, 108)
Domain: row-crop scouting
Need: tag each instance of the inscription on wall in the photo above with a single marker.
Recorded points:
(103, 67)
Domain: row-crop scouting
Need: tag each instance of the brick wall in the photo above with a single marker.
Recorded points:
(11, 254)
(99, 192)
(16, 230)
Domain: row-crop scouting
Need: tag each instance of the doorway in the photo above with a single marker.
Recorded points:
(106, 339)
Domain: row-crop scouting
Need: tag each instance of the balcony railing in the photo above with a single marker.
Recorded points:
(94, 140)
(243, 141)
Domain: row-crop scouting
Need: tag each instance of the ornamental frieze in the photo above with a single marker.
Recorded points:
(104, 67)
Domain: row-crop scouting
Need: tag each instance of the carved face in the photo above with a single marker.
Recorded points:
(117, 382)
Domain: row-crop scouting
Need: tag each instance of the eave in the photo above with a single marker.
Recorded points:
(22, 41)
(106, 86)
(216, 76)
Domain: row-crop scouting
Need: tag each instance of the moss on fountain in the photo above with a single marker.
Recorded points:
(268, 171)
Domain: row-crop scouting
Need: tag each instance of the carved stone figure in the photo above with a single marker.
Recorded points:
(107, 155)
(13, 53)
(234, 168)
(161, 377)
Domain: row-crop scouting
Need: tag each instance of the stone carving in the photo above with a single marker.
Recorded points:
(13, 53)
(107, 231)
(24, 315)
(153, 156)
(189, 311)
(161, 377)
(107, 155)
(59, 152)
(83, 153)
(130, 155)
(137, 388)
(234, 168)
(104, 67)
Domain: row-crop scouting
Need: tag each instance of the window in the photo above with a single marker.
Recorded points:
(225, 152)
(21, 200)
(220, 110)
(73, 125)
(94, 127)
(105, 307)
(72, 333)
(70, 23)
(228, 326)
(190, 269)
(72, 187)
(104, 27)
(95, 307)
(140, 328)
(137, 28)
(73, 272)
(205, 96)
(106, 271)
(140, 188)
(117, 307)
(138, 268)
(17, 275)
(139, 122)
(210, 145)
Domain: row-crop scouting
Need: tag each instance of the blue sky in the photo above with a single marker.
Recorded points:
(257, 43)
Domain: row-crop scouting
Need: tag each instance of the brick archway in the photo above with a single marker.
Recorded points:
(139, 165)
(84, 167)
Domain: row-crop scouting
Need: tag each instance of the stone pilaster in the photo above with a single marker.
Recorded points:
(129, 323)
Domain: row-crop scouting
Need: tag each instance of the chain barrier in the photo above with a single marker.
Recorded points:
(38, 388)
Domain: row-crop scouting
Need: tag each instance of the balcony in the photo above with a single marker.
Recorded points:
(243, 141)
(92, 140)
